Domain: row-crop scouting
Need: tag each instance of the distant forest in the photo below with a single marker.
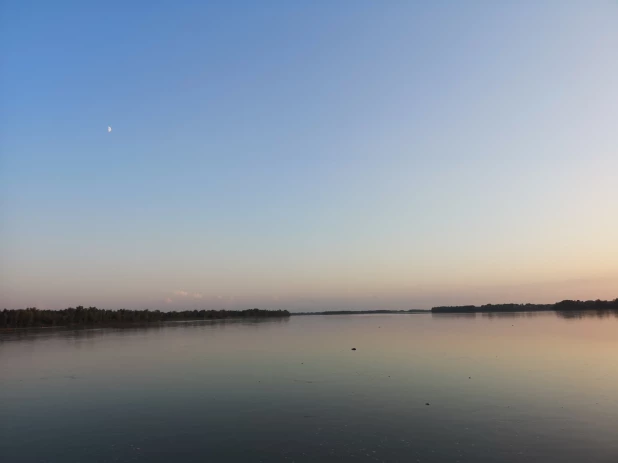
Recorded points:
(33, 317)
(359, 312)
(564, 306)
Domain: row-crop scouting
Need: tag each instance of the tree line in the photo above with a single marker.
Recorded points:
(360, 312)
(563, 306)
(32, 317)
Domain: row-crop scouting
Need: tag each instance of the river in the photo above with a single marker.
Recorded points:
(535, 387)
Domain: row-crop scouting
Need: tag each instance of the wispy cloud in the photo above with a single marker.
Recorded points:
(168, 300)
(182, 293)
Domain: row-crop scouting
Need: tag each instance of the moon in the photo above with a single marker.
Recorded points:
(109, 129)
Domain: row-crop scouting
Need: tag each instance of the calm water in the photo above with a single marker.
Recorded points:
(527, 388)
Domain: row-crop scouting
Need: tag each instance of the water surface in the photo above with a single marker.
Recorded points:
(508, 388)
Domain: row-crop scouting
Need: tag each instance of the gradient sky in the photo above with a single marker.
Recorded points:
(324, 155)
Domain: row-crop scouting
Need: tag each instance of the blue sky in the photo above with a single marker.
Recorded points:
(307, 155)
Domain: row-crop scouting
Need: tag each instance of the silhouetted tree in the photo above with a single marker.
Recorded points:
(563, 306)
(32, 317)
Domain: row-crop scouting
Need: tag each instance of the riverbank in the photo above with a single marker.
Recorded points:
(362, 312)
(563, 306)
(91, 316)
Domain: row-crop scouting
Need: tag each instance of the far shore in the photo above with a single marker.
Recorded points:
(362, 312)
(563, 306)
(93, 317)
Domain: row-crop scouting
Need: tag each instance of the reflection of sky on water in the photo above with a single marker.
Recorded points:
(278, 389)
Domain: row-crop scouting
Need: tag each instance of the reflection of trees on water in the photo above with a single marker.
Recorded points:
(539, 313)
(565, 309)
(491, 315)
(566, 314)
(572, 315)
(453, 315)
(79, 334)
(82, 316)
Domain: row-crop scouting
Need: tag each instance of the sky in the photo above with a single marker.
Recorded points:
(307, 155)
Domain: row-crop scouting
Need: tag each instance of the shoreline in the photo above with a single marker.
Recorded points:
(562, 306)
